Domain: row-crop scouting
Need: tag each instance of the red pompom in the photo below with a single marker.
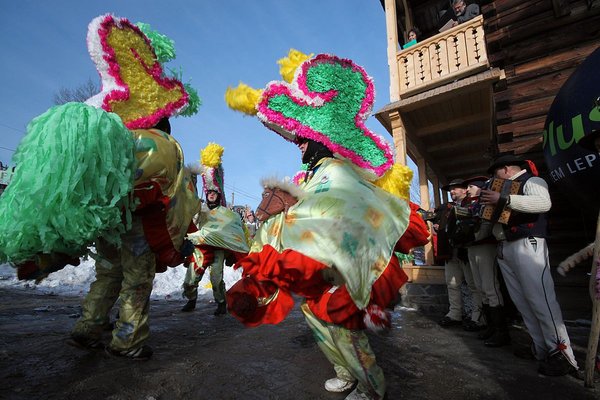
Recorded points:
(377, 319)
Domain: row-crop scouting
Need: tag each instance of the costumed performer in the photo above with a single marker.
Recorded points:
(335, 246)
(220, 234)
(117, 178)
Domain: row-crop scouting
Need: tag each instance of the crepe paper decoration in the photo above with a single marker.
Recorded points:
(289, 64)
(71, 185)
(243, 98)
(133, 83)
(328, 102)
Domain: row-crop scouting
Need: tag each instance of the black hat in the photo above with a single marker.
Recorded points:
(478, 181)
(454, 183)
(588, 141)
(507, 159)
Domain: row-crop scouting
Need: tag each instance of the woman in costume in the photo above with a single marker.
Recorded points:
(107, 171)
(220, 234)
(335, 246)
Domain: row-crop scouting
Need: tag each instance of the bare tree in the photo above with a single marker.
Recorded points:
(80, 93)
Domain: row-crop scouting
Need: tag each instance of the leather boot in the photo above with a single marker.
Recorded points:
(491, 328)
(500, 337)
(221, 309)
(189, 306)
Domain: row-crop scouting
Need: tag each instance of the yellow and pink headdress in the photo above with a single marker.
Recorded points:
(129, 60)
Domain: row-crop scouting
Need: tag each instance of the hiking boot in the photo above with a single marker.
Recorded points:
(556, 364)
(189, 306)
(338, 385)
(86, 343)
(140, 353)
(447, 322)
(221, 309)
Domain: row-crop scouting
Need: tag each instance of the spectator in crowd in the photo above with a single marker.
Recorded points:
(523, 260)
(463, 12)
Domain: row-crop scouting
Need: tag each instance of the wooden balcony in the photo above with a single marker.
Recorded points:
(445, 57)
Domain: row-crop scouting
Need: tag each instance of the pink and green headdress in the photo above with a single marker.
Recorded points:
(213, 175)
(130, 61)
(328, 101)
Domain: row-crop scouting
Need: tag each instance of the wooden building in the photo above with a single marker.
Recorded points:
(482, 88)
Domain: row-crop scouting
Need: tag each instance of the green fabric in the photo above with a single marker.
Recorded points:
(350, 353)
(164, 48)
(342, 221)
(192, 278)
(73, 175)
(222, 228)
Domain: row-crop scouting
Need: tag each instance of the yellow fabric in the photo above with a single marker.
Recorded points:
(243, 98)
(155, 152)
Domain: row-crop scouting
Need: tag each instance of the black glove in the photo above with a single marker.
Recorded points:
(187, 248)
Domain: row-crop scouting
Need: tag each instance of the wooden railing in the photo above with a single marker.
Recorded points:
(453, 54)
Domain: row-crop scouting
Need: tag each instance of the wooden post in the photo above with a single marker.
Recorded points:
(392, 48)
(592, 348)
(436, 191)
(399, 135)
(424, 191)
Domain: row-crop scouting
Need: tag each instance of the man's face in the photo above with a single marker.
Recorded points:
(303, 146)
(211, 196)
(457, 193)
(459, 8)
(473, 190)
(503, 173)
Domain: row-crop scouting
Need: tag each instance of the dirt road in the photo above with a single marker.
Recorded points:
(199, 356)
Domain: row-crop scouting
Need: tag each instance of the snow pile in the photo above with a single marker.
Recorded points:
(76, 280)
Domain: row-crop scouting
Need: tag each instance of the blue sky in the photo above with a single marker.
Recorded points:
(218, 44)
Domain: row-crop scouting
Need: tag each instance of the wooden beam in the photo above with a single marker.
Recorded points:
(562, 8)
(453, 124)
(424, 194)
(436, 191)
(399, 136)
(392, 48)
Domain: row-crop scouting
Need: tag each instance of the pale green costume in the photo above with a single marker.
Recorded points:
(221, 229)
(343, 221)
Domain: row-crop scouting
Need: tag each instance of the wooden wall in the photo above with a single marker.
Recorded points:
(539, 43)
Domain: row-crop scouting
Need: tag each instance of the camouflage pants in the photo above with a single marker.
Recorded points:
(193, 276)
(126, 274)
(349, 352)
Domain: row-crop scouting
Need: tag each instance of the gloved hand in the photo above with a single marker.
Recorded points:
(187, 248)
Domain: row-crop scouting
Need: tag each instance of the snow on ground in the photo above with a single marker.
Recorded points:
(76, 280)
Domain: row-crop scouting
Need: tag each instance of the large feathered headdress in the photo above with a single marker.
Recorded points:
(213, 175)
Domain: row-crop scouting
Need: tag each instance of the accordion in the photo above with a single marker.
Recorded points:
(498, 212)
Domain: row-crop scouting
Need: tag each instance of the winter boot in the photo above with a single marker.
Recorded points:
(221, 309)
(500, 337)
(189, 306)
(489, 331)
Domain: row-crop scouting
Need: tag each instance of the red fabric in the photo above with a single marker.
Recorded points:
(148, 193)
(291, 271)
(242, 302)
(416, 233)
(336, 305)
(154, 221)
(532, 168)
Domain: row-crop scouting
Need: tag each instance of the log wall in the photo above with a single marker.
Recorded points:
(539, 43)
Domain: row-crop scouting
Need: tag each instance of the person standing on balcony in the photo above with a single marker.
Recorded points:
(457, 267)
(463, 12)
(523, 259)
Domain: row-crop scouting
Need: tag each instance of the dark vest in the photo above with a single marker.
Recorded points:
(521, 225)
